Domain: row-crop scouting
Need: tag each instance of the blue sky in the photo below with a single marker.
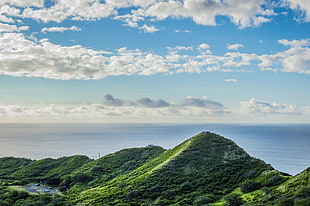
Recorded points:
(189, 61)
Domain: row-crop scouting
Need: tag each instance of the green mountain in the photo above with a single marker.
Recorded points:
(206, 169)
(206, 165)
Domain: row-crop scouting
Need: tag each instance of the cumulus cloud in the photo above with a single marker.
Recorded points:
(6, 19)
(112, 107)
(148, 29)
(23, 3)
(205, 12)
(12, 28)
(66, 9)
(109, 100)
(295, 43)
(24, 57)
(301, 5)
(262, 107)
(243, 14)
(204, 46)
(147, 102)
(230, 80)
(234, 46)
(61, 29)
(145, 109)
(203, 102)
(295, 59)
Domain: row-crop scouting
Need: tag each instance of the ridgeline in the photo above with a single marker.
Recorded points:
(206, 169)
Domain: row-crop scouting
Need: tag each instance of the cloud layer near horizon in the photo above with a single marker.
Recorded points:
(149, 110)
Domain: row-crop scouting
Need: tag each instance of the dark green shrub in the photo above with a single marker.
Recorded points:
(286, 202)
(53, 181)
(202, 200)
(234, 200)
(305, 192)
(81, 178)
(275, 180)
(302, 202)
(249, 186)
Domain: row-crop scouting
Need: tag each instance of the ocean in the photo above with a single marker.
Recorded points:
(285, 146)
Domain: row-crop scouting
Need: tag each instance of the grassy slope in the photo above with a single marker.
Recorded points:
(207, 169)
(205, 165)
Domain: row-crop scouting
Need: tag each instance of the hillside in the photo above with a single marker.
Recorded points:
(206, 169)
(205, 165)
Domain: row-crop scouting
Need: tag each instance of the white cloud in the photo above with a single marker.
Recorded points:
(144, 108)
(180, 31)
(230, 80)
(243, 14)
(249, 13)
(148, 29)
(147, 110)
(20, 56)
(7, 28)
(203, 103)
(295, 43)
(261, 107)
(67, 9)
(61, 29)
(234, 46)
(295, 59)
(204, 46)
(303, 5)
(6, 19)
(147, 102)
(23, 3)
(11, 28)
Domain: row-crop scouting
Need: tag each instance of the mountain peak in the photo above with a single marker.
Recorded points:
(193, 168)
(216, 147)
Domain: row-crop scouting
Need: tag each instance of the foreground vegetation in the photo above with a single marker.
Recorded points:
(207, 169)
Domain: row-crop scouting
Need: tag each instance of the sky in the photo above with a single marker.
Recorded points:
(155, 61)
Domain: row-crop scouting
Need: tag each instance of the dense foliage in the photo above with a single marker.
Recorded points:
(207, 169)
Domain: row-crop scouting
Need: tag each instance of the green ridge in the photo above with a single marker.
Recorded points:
(206, 169)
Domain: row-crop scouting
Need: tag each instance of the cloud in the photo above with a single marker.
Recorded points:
(22, 57)
(180, 31)
(202, 102)
(24, 3)
(147, 110)
(60, 29)
(205, 12)
(143, 108)
(204, 46)
(295, 43)
(67, 9)
(295, 59)
(261, 107)
(138, 13)
(243, 14)
(147, 102)
(230, 80)
(11, 28)
(6, 19)
(148, 29)
(234, 46)
(300, 5)
(109, 100)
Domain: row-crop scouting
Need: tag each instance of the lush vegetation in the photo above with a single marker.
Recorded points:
(207, 169)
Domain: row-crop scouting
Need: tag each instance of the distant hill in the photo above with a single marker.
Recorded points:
(206, 169)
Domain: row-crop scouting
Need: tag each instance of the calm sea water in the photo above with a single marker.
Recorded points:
(285, 147)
